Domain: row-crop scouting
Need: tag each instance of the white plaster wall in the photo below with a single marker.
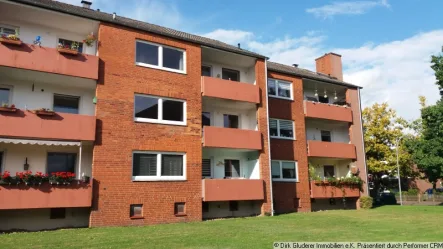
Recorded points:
(339, 133)
(331, 94)
(14, 156)
(249, 162)
(39, 219)
(24, 98)
(247, 74)
(247, 118)
(221, 209)
(342, 167)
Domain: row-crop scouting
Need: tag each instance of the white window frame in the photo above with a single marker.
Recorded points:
(276, 89)
(160, 58)
(158, 177)
(11, 89)
(69, 96)
(160, 120)
(278, 129)
(3, 25)
(83, 44)
(281, 179)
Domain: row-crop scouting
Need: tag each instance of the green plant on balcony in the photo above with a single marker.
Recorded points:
(44, 112)
(7, 108)
(11, 39)
(5, 178)
(64, 178)
(313, 176)
(341, 183)
(89, 40)
(68, 49)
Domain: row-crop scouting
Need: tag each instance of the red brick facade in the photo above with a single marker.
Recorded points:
(285, 193)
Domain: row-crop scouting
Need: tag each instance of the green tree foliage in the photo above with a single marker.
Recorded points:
(382, 127)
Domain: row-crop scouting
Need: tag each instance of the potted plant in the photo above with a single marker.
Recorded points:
(5, 178)
(89, 40)
(7, 108)
(66, 49)
(28, 177)
(39, 178)
(64, 178)
(44, 112)
(11, 39)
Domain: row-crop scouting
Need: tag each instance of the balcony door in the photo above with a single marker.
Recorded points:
(329, 171)
(1, 161)
(61, 162)
(232, 168)
(230, 74)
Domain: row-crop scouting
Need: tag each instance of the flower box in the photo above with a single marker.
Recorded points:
(44, 113)
(8, 109)
(11, 42)
(67, 51)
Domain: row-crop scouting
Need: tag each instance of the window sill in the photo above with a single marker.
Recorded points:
(136, 217)
(160, 68)
(154, 121)
(284, 138)
(180, 215)
(285, 180)
(278, 97)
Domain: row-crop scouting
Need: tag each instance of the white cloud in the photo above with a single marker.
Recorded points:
(346, 8)
(231, 37)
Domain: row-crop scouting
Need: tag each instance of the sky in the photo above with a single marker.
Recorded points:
(386, 45)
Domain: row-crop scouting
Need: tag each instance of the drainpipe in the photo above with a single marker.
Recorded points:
(269, 138)
(79, 162)
(363, 141)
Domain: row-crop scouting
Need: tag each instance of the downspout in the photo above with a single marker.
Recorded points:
(269, 138)
(363, 141)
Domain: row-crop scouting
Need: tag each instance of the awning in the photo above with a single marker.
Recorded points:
(38, 142)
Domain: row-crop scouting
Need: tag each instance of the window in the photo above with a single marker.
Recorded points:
(284, 170)
(206, 168)
(159, 110)
(230, 121)
(279, 128)
(179, 208)
(329, 171)
(280, 89)
(68, 43)
(229, 74)
(5, 96)
(66, 104)
(136, 211)
(160, 57)
(232, 168)
(7, 30)
(326, 136)
(57, 213)
(206, 119)
(61, 162)
(158, 166)
(205, 207)
(1, 161)
(322, 99)
(206, 71)
(233, 206)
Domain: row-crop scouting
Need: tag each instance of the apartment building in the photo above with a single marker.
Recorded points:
(159, 125)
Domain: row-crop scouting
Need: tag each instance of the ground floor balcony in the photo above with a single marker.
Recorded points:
(325, 190)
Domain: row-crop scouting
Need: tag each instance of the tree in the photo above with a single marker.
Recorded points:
(382, 127)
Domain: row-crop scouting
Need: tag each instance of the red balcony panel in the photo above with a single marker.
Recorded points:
(226, 89)
(61, 126)
(45, 196)
(219, 137)
(327, 191)
(331, 150)
(232, 189)
(49, 60)
(327, 111)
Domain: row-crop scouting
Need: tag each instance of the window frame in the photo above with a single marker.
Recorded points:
(278, 129)
(159, 119)
(79, 42)
(330, 136)
(160, 57)
(333, 167)
(67, 96)
(62, 152)
(158, 177)
(11, 89)
(176, 212)
(233, 71)
(4, 25)
(210, 69)
(276, 89)
(211, 160)
(281, 179)
(132, 214)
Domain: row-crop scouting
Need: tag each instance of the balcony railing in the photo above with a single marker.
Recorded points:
(49, 60)
(60, 126)
(219, 137)
(232, 189)
(21, 196)
(327, 111)
(226, 89)
(327, 191)
(331, 150)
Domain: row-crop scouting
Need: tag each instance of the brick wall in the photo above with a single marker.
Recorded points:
(284, 193)
(118, 135)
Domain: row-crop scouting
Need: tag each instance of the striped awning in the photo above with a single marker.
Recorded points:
(37, 142)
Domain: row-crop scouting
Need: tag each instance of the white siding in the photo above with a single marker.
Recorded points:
(247, 118)
(342, 167)
(249, 162)
(339, 132)
(247, 75)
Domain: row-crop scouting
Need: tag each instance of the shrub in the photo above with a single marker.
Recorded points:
(366, 202)
(413, 191)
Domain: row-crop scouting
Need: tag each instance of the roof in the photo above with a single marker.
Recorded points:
(304, 73)
(127, 22)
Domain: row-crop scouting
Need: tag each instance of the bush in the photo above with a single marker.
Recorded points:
(366, 202)
(413, 191)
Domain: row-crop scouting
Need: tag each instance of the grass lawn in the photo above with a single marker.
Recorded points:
(389, 223)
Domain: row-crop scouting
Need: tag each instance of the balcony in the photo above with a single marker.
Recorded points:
(327, 111)
(233, 90)
(331, 150)
(219, 137)
(48, 60)
(327, 191)
(45, 196)
(60, 126)
(232, 189)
